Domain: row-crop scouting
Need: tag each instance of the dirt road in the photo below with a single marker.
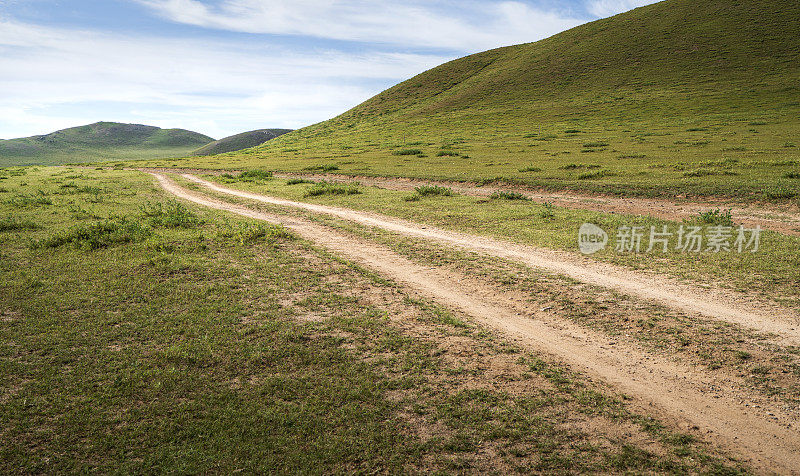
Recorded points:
(714, 304)
(714, 406)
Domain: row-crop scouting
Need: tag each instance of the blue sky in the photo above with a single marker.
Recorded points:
(225, 66)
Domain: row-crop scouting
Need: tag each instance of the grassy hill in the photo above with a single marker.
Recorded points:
(241, 141)
(100, 141)
(682, 97)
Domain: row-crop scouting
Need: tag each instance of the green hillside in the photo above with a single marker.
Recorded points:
(697, 97)
(100, 141)
(241, 141)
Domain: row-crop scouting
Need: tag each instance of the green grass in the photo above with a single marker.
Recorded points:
(228, 347)
(687, 103)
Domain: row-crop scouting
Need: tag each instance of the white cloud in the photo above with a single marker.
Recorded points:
(220, 87)
(481, 24)
(607, 8)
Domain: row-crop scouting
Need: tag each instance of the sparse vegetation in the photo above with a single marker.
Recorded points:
(171, 214)
(97, 235)
(717, 217)
(508, 195)
(297, 181)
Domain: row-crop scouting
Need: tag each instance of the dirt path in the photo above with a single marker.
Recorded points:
(783, 219)
(714, 304)
(708, 405)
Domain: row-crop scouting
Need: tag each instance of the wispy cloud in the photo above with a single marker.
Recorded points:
(472, 26)
(607, 8)
(48, 69)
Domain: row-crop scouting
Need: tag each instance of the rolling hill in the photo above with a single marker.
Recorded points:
(100, 141)
(240, 141)
(682, 97)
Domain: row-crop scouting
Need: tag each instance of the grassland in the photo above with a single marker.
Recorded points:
(701, 102)
(140, 334)
(101, 141)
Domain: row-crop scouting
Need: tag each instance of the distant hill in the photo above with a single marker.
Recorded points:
(100, 141)
(245, 140)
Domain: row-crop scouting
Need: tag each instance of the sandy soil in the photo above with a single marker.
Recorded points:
(714, 406)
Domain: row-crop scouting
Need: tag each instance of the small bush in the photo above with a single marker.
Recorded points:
(780, 193)
(430, 190)
(792, 175)
(548, 211)
(171, 215)
(12, 224)
(412, 198)
(254, 233)
(97, 235)
(330, 188)
(249, 176)
(530, 168)
(257, 174)
(407, 152)
(699, 173)
(717, 217)
(504, 195)
(296, 181)
(596, 175)
(26, 201)
(322, 168)
(572, 131)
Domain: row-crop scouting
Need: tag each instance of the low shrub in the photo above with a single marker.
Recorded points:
(596, 175)
(505, 195)
(331, 188)
(717, 217)
(26, 201)
(781, 193)
(12, 224)
(322, 168)
(169, 215)
(579, 166)
(548, 211)
(407, 152)
(530, 168)
(296, 181)
(792, 175)
(97, 235)
(248, 176)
